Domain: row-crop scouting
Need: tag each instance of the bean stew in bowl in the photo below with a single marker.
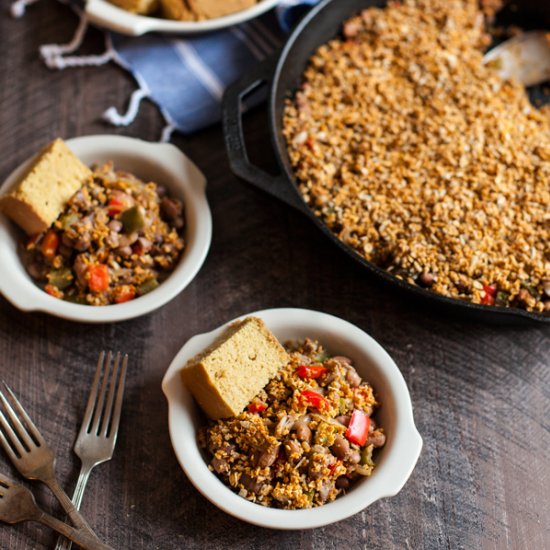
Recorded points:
(304, 439)
(117, 239)
(329, 433)
(129, 238)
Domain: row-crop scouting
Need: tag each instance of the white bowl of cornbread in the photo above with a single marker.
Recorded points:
(188, 376)
(137, 17)
(155, 162)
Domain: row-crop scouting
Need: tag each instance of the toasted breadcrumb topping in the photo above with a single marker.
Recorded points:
(423, 159)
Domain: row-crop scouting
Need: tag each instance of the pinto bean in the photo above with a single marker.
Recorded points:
(81, 200)
(113, 239)
(220, 465)
(303, 433)
(342, 359)
(83, 242)
(342, 483)
(268, 457)
(426, 279)
(36, 270)
(143, 245)
(340, 447)
(354, 457)
(377, 439)
(66, 240)
(115, 225)
(324, 491)
(80, 267)
(124, 251)
(292, 448)
(171, 208)
(353, 379)
(343, 419)
(127, 240)
(250, 484)
(65, 251)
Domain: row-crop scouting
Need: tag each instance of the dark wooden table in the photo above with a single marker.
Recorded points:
(481, 393)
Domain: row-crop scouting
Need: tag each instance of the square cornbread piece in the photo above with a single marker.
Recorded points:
(228, 375)
(40, 197)
(137, 6)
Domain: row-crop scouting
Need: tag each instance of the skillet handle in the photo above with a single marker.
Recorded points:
(278, 186)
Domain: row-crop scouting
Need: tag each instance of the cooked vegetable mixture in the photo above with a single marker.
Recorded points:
(422, 159)
(117, 239)
(304, 439)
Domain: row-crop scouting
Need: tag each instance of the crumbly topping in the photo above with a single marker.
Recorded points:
(424, 160)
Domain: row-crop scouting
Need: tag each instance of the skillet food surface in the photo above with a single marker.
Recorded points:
(421, 159)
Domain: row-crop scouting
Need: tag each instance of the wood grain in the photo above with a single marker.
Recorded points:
(481, 393)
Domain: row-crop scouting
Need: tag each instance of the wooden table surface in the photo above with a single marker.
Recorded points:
(481, 393)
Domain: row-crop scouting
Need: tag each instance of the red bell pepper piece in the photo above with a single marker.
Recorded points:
(256, 406)
(314, 399)
(358, 428)
(115, 206)
(98, 277)
(311, 371)
(333, 467)
(53, 291)
(488, 298)
(50, 243)
(124, 293)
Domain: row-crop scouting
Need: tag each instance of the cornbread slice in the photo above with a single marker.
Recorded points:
(177, 10)
(36, 202)
(137, 6)
(226, 376)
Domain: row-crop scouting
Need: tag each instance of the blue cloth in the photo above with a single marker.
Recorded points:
(186, 76)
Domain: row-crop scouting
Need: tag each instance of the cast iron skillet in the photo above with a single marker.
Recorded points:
(283, 74)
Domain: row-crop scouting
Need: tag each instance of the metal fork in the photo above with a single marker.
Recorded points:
(17, 504)
(96, 441)
(30, 454)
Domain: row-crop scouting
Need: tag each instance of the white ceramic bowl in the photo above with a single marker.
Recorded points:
(395, 461)
(105, 14)
(159, 162)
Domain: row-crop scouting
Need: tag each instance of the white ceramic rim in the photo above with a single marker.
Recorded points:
(186, 181)
(389, 477)
(105, 14)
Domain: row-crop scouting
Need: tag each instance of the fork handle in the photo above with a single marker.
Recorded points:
(85, 469)
(74, 515)
(78, 536)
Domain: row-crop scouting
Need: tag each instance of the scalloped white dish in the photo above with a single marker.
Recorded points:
(395, 461)
(159, 162)
(105, 14)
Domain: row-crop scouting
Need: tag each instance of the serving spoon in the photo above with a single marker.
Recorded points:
(525, 57)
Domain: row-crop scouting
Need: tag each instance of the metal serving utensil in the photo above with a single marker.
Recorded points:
(17, 504)
(96, 441)
(32, 457)
(525, 57)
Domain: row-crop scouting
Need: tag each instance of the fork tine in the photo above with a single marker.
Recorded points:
(112, 417)
(4, 442)
(29, 423)
(106, 411)
(94, 425)
(16, 431)
(88, 414)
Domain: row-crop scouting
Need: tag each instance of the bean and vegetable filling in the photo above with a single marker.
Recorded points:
(304, 439)
(118, 238)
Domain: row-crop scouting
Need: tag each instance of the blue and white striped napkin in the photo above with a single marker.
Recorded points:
(184, 76)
